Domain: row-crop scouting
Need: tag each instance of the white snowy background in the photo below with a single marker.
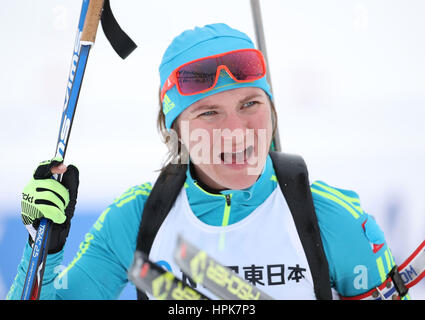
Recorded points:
(348, 79)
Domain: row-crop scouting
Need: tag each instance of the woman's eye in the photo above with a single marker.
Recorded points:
(207, 113)
(249, 103)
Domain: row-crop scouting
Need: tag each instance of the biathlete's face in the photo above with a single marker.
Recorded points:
(228, 136)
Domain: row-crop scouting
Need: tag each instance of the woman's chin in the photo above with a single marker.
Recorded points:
(238, 182)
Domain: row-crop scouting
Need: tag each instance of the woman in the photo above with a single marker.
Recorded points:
(217, 117)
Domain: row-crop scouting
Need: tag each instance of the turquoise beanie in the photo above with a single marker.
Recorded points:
(198, 43)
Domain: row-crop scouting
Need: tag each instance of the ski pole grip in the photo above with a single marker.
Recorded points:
(91, 23)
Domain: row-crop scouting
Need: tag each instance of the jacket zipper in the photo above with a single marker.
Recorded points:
(226, 214)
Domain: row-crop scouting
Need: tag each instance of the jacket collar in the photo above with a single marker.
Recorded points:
(205, 201)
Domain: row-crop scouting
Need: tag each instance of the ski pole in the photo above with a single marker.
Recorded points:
(261, 45)
(91, 12)
(86, 34)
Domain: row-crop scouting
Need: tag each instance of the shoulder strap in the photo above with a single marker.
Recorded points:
(159, 203)
(292, 174)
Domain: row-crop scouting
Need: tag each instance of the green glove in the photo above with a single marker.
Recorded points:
(45, 197)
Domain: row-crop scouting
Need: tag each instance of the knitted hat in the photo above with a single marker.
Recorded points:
(194, 44)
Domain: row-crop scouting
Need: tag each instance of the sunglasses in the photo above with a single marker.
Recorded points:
(201, 75)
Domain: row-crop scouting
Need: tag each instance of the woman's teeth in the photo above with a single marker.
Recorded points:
(239, 157)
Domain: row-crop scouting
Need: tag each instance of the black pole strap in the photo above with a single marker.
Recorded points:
(119, 40)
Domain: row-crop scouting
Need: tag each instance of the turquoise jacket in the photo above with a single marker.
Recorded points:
(359, 258)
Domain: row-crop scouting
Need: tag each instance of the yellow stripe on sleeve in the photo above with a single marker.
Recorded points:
(387, 258)
(351, 200)
(136, 193)
(381, 269)
(337, 200)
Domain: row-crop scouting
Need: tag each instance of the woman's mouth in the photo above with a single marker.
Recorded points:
(239, 157)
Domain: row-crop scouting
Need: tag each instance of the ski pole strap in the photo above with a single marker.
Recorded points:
(399, 279)
(119, 40)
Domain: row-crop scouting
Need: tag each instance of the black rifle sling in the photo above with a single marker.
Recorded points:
(159, 203)
(292, 175)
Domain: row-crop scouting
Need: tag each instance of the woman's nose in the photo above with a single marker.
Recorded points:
(233, 129)
(233, 121)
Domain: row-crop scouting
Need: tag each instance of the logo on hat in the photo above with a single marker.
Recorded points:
(168, 105)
